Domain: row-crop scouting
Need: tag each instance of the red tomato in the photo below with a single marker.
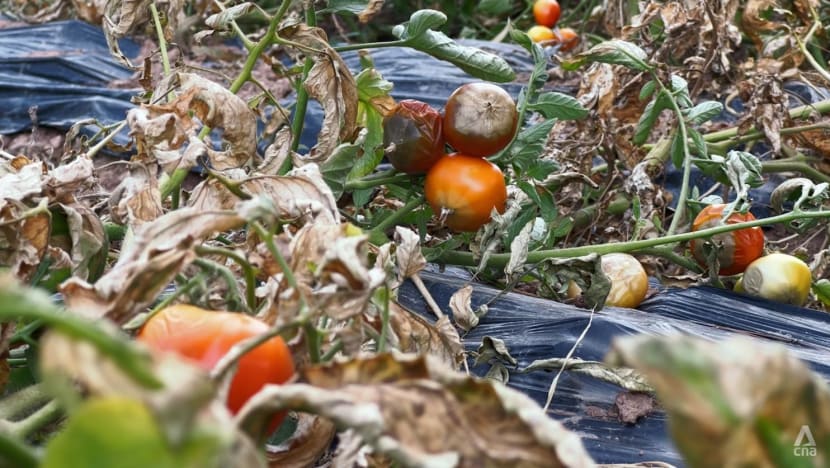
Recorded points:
(568, 38)
(540, 33)
(546, 12)
(204, 336)
(466, 187)
(412, 136)
(739, 248)
(480, 119)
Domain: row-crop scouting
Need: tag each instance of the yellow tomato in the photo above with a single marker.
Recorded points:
(629, 282)
(540, 33)
(777, 277)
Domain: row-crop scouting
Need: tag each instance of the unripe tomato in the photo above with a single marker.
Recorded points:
(739, 248)
(204, 336)
(540, 33)
(777, 277)
(480, 119)
(467, 188)
(568, 38)
(629, 282)
(412, 136)
(546, 12)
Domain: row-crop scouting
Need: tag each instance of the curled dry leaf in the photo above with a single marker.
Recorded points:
(408, 253)
(302, 195)
(401, 406)
(331, 83)
(137, 199)
(158, 251)
(310, 440)
(624, 377)
(768, 110)
(372, 9)
(462, 309)
(739, 402)
(24, 223)
(88, 245)
(123, 17)
(65, 181)
(412, 333)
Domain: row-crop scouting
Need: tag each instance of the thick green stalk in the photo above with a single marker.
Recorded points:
(302, 94)
(500, 260)
(247, 269)
(395, 217)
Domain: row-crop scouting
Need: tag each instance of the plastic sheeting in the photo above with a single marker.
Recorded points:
(534, 328)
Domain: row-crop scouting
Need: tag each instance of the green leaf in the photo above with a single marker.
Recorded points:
(361, 197)
(615, 52)
(419, 23)
(520, 37)
(529, 144)
(560, 106)
(650, 114)
(526, 215)
(677, 151)
(371, 84)
(478, 63)
(372, 143)
(704, 112)
(494, 7)
(680, 90)
(118, 432)
(540, 168)
(336, 169)
(648, 90)
(698, 143)
(743, 170)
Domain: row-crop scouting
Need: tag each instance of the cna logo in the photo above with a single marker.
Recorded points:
(805, 444)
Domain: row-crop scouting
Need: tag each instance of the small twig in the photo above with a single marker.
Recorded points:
(416, 279)
(552, 389)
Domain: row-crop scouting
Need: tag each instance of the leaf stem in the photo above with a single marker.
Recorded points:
(371, 45)
(302, 95)
(165, 60)
(247, 269)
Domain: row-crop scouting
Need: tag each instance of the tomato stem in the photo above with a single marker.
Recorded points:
(302, 95)
(35, 421)
(22, 401)
(394, 218)
(247, 269)
(501, 259)
(226, 274)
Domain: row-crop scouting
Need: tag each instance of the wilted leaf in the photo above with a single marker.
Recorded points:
(222, 20)
(137, 199)
(310, 440)
(331, 83)
(88, 244)
(400, 407)
(408, 253)
(364, 9)
(493, 349)
(123, 17)
(624, 377)
(734, 403)
(158, 251)
(462, 310)
(414, 334)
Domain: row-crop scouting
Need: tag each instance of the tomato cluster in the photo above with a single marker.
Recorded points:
(479, 120)
(546, 13)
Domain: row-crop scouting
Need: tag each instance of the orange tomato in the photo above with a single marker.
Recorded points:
(467, 188)
(568, 38)
(546, 12)
(204, 336)
(540, 33)
(739, 248)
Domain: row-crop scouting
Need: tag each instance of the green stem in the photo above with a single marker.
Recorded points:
(22, 401)
(266, 237)
(371, 45)
(335, 348)
(35, 421)
(794, 165)
(500, 260)
(14, 453)
(115, 232)
(165, 61)
(672, 256)
(384, 323)
(27, 304)
(395, 217)
(247, 269)
(302, 94)
(680, 211)
(800, 112)
(226, 273)
(370, 182)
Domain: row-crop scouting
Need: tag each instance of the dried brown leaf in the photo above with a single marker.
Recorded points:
(331, 83)
(462, 309)
(137, 199)
(408, 253)
(414, 334)
(401, 407)
(310, 441)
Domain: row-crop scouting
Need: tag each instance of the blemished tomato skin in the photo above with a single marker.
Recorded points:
(568, 38)
(468, 187)
(539, 33)
(204, 336)
(740, 248)
(413, 136)
(546, 12)
(480, 119)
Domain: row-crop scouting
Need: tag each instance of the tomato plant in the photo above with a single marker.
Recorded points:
(539, 33)
(546, 12)
(480, 119)
(412, 136)
(777, 277)
(204, 336)
(568, 38)
(466, 189)
(737, 248)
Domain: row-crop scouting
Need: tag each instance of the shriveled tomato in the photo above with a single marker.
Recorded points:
(546, 12)
(777, 277)
(738, 248)
(539, 33)
(413, 137)
(204, 336)
(480, 119)
(567, 37)
(466, 189)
